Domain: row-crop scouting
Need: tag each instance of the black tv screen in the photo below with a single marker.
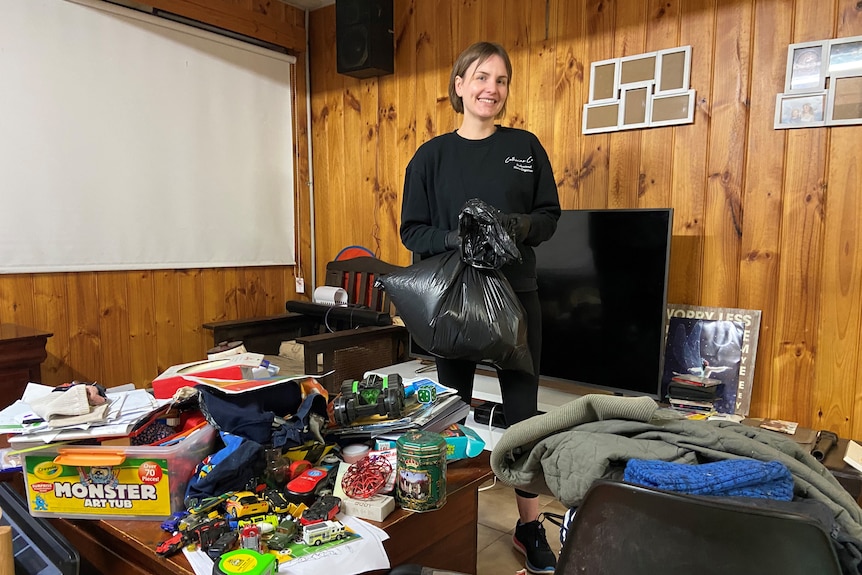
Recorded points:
(603, 290)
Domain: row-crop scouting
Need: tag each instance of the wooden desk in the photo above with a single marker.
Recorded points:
(22, 351)
(445, 538)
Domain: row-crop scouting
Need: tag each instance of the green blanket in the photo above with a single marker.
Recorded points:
(562, 452)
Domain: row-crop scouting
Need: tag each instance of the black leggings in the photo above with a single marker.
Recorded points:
(519, 390)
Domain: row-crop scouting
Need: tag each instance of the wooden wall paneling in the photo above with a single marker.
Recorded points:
(16, 300)
(329, 198)
(359, 163)
(626, 176)
(595, 177)
(836, 384)
(541, 51)
(405, 96)
(492, 22)
(390, 175)
(467, 22)
(571, 78)
(762, 197)
(190, 290)
(838, 369)
(267, 20)
(730, 93)
(85, 339)
(50, 303)
(656, 165)
(691, 148)
(373, 203)
(515, 37)
(427, 70)
(302, 204)
(445, 53)
(801, 248)
(168, 314)
(142, 328)
(113, 301)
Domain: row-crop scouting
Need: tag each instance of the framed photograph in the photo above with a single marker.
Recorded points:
(806, 67)
(845, 99)
(673, 70)
(845, 55)
(714, 343)
(800, 111)
(604, 80)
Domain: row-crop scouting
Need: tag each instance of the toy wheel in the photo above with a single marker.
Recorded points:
(394, 401)
(317, 543)
(347, 387)
(340, 536)
(342, 410)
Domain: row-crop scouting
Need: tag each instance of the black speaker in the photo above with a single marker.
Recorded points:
(364, 39)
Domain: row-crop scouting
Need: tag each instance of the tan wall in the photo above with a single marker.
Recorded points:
(764, 219)
(753, 227)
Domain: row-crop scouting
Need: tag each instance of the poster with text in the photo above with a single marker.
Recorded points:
(719, 343)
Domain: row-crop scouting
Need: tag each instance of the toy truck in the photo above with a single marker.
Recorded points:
(323, 532)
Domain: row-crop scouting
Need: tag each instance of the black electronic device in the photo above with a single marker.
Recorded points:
(603, 291)
(38, 547)
(373, 395)
(364, 38)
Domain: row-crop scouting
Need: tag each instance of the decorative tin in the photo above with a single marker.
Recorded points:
(421, 471)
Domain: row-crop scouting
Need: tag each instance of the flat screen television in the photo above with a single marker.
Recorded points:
(603, 291)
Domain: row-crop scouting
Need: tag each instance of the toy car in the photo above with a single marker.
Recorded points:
(172, 523)
(276, 500)
(288, 526)
(244, 503)
(374, 395)
(279, 541)
(326, 507)
(311, 483)
(322, 532)
(223, 544)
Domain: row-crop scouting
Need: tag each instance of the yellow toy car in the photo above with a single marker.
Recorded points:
(245, 503)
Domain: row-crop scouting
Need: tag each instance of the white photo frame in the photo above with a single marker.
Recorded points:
(673, 70)
(806, 67)
(604, 81)
(845, 92)
(637, 70)
(672, 109)
(601, 117)
(807, 110)
(844, 56)
(635, 107)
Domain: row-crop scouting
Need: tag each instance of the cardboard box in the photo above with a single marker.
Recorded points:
(104, 482)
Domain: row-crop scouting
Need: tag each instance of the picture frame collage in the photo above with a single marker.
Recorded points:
(640, 91)
(823, 84)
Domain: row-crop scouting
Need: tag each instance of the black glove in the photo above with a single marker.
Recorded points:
(453, 240)
(518, 226)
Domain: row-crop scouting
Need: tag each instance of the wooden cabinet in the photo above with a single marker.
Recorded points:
(22, 351)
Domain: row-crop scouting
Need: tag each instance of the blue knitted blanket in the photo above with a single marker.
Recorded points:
(731, 477)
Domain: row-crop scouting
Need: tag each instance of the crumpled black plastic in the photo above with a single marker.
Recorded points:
(485, 242)
(466, 311)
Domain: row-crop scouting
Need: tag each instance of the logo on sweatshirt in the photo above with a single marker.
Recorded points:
(522, 165)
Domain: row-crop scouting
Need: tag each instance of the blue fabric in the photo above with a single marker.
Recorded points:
(731, 477)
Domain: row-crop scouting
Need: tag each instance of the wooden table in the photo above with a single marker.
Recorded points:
(22, 351)
(444, 539)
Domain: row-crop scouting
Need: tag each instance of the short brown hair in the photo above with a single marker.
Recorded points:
(478, 52)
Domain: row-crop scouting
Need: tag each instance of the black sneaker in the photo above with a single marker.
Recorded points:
(529, 539)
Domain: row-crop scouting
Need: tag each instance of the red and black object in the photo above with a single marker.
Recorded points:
(310, 483)
(326, 507)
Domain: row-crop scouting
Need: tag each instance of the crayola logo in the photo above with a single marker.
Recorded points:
(47, 470)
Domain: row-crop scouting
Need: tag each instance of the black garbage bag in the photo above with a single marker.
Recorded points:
(485, 242)
(455, 310)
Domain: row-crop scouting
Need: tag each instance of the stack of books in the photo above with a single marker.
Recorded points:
(693, 393)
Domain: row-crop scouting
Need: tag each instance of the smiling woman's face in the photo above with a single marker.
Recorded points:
(484, 88)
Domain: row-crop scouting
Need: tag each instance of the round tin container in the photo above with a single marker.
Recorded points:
(421, 471)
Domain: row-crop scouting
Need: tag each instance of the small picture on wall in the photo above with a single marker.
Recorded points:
(806, 71)
(792, 111)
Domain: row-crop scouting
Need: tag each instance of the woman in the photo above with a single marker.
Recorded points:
(509, 169)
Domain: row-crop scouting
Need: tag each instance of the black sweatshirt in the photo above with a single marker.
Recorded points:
(508, 170)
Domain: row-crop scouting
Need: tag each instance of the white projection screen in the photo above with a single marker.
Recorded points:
(131, 142)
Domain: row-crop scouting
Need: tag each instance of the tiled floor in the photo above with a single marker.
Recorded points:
(497, 516)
